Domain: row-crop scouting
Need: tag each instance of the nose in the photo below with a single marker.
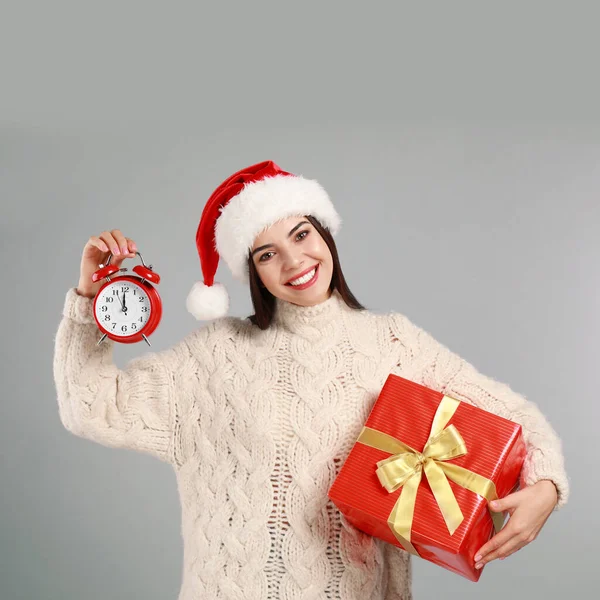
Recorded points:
(292, 260)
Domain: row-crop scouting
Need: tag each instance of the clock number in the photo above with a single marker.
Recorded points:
(104, 308)
(115, 292)
(144, 309)
(110, 298)
(113, 326)
(133, 326)
(141, 319)
(141, 298)
(124, 328)
(107, 317)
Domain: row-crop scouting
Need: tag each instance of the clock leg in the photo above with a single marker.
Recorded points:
(101, 340)
(147, 342)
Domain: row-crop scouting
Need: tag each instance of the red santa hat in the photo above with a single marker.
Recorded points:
(237, 211)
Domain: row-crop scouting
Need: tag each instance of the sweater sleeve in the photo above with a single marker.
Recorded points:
(131, 408)
(448, 373)
(399, 572)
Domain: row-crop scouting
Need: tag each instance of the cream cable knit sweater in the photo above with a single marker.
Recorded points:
(257, 424)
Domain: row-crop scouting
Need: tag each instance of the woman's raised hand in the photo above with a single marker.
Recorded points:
(96, 251)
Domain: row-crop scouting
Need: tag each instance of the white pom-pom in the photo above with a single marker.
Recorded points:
(207, 302)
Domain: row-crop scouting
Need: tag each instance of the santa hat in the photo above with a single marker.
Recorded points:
(237, 211)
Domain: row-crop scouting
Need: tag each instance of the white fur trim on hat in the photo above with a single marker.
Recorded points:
(208, 302)
(263, 203)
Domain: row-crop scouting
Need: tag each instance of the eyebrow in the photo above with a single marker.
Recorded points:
(289, 235)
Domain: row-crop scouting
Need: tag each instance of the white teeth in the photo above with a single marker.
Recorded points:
(304, 279)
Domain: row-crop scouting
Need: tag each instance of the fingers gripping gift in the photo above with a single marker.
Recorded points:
(127, 308)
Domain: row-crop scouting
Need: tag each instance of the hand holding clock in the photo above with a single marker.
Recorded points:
(96, 252)
(102, 282)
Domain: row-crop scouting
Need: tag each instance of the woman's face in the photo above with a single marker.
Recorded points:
(294, 262)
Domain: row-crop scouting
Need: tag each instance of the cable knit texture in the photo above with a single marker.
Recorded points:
(257, 424)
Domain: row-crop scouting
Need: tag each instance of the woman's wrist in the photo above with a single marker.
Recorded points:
(550, 486)
(86, 293)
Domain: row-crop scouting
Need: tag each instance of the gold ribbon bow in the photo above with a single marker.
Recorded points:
(406, 466)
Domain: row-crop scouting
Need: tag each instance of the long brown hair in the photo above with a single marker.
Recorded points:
(264, 302)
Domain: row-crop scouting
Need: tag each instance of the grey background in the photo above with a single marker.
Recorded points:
(461, 145)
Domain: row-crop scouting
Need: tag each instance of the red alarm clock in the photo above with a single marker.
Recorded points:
(127, 308)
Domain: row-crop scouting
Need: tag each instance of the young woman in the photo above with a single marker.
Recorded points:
(257, 415)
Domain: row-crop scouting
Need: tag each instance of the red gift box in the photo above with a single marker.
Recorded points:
(494, 450)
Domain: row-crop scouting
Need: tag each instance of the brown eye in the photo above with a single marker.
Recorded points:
(303, 234)
(262, 258)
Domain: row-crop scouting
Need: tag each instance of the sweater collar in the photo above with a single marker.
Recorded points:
(294, 317)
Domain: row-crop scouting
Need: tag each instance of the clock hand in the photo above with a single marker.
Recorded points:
(121, 301)
(124, 306)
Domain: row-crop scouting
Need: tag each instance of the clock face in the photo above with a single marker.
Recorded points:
(123, 308)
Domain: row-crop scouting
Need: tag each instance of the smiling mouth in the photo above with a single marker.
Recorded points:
(304, 279)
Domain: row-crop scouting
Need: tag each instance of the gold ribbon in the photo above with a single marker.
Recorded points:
(406, 466)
